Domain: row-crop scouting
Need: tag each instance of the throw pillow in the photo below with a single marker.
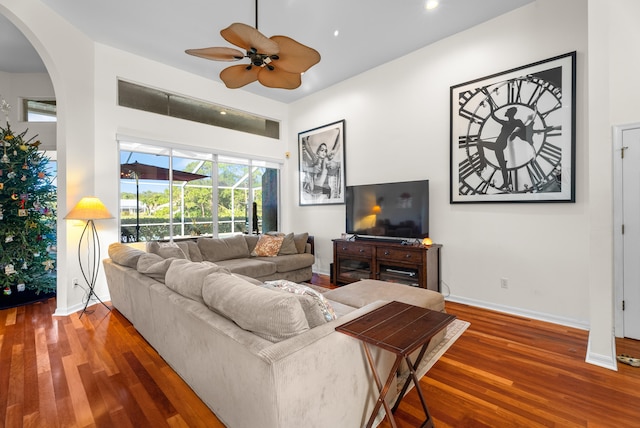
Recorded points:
(154, 266)
(186, 278)
(321, 302)
(300, 240)
(252, 240)
(190, 250)
(268, 246)
(165, 249)
(272, 316)
(288, 246)
(124, 255)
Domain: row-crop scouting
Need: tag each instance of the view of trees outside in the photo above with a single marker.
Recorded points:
(191, 202)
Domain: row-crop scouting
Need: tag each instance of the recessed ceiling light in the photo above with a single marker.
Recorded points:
(431, 4)
(336, 33)
(222, 112)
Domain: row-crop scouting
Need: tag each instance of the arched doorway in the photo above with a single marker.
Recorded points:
(25, 85)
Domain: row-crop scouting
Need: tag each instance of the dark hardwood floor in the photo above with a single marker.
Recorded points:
(504, 371)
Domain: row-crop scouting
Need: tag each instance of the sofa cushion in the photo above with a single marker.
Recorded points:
(216, 249)
(361, 293)
(255, 268)
(319, 312)
(288, 246)
(191, 250)
(186, 278)
(290, 263)
(268, 246)
(154, 266)
(272, 316)
(124, 255)
(300, 240)
(252, 240)
(166, 249)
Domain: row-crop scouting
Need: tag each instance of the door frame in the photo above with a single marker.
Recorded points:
(618, 248)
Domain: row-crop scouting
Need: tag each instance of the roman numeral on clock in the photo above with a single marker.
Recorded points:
(551, 153)
(465, 141)
(513, 91)
(536, 173)
(469, 166)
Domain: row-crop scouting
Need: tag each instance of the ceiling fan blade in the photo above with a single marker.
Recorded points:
(294, 57)
(217, 54)
(237, 76)
(278, 78)
(248, 37)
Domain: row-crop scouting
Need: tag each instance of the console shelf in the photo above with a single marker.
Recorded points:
(414, 265)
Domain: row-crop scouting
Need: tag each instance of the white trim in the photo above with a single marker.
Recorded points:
(618, 286)
(178, 146)
(606, 361)
(618, 273)
(79, 306)
(579, 324)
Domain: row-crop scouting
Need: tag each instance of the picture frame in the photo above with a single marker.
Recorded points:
(321, 165)
(513, 135)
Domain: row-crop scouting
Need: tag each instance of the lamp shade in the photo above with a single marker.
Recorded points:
(89, 208)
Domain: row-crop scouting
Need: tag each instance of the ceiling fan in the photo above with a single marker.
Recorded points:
(275, 62)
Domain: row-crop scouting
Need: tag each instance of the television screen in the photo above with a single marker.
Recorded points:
(394, 210)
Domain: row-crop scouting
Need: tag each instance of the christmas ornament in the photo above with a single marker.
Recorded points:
(9, 238)
(9, 269)
(7, 290)
(48, 265)
(20, 287)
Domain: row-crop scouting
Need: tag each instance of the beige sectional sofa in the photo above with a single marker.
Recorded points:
(293, 260)
(257, 354)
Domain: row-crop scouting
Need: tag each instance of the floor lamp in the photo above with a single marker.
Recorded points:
(89, 208)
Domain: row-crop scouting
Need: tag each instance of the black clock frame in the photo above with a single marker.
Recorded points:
(513, 135)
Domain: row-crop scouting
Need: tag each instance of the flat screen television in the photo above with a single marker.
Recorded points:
(388, 210)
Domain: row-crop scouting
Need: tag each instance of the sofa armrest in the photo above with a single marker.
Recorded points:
(310, 247)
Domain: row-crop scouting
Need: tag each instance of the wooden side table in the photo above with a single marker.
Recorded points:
(399, 328)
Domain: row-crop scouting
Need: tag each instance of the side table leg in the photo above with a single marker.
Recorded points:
(383, 389)
(412, 367)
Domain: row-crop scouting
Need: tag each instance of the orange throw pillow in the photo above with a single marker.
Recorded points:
(268, 246)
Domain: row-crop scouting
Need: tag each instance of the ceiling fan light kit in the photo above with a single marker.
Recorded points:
(275, 62)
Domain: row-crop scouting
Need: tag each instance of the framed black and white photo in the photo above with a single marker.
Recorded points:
(321, 164)
(513, 135)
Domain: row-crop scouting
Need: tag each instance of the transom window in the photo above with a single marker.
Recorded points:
(39, 110)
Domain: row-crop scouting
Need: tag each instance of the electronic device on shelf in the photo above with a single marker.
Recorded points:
(395, 211)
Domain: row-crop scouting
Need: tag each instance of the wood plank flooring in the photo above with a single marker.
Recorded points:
(505, 371)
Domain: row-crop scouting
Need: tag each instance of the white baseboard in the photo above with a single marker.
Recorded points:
(63, 312)
(606, 361)
(580, 324)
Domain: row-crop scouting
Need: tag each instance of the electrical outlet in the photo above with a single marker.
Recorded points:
(75, 282)
(504, 283)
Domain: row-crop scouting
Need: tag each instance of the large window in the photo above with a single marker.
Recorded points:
(168, 193)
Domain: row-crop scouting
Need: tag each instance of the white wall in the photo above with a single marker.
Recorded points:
(614, 64)
(112, 120)
(397, 128)
(84, 77)
(68, 56)
(557, 257)
(13, 88)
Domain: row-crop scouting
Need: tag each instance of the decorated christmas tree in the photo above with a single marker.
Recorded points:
(27, 215)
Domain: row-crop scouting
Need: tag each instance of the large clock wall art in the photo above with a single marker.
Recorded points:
(513, 135)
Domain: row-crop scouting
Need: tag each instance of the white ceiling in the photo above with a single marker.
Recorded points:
(371, 32)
